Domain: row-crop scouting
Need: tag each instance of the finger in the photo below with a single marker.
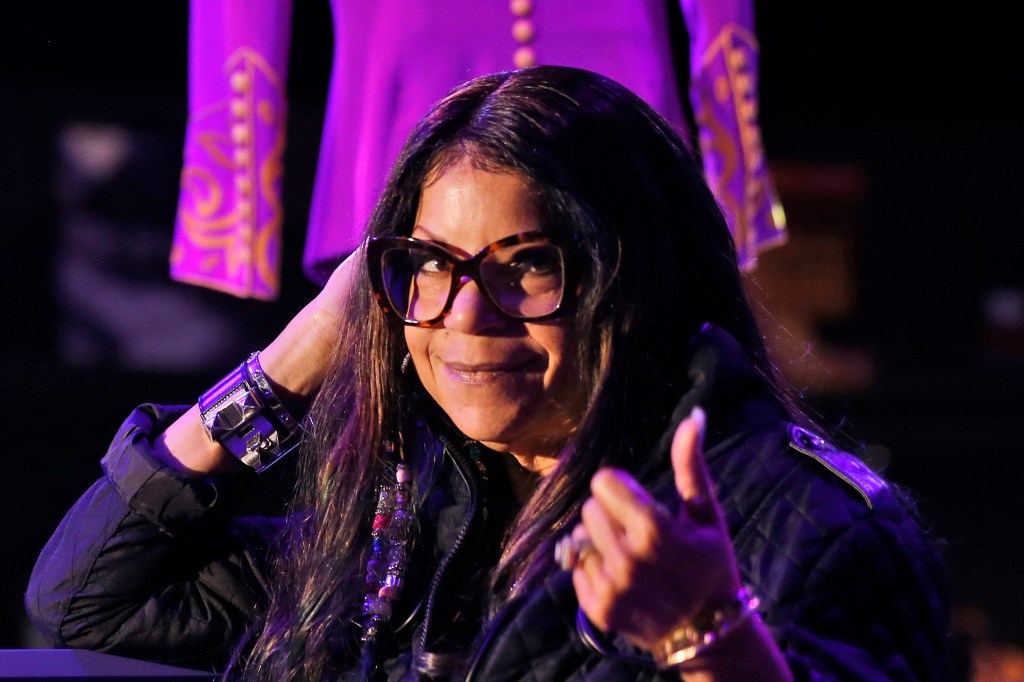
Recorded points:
(692, 478)
(580, 535)
(596, 590)
(604, 532)
(340, 281)
(324, 311)
(632, 509)
(620, 494)
(591, 593)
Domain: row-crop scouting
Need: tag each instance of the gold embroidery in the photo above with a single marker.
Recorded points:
(726, 100)
(231, 213)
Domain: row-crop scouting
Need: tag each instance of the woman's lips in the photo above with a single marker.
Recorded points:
(485, 372)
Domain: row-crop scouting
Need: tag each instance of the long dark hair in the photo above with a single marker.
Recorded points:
(656, 261)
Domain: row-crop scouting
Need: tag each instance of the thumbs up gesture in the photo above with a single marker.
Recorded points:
(642, 570)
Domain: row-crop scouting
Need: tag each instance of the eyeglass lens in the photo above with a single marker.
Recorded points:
(523, 280)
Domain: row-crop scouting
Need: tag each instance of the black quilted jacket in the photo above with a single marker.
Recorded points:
(153, 566)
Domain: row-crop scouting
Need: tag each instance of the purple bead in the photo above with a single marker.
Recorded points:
(380, 607)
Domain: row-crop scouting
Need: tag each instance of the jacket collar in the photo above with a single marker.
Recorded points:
(736, 397)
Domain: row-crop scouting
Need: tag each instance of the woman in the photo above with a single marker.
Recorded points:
(557, 331)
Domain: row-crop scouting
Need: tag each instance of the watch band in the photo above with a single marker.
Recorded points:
(690, 639)
(243, 414)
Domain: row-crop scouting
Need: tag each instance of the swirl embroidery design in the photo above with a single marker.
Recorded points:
(726, 94)
(228, 235)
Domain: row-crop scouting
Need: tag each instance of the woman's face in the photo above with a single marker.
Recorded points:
(504, 382)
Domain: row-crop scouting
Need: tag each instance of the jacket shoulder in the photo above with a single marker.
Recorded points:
(845, 466)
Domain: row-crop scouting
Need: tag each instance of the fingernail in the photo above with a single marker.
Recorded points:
(699, 420)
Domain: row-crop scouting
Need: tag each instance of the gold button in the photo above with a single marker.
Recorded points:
(524, 57)
(239, 107)
(242, 184)
(239, 133)
(754, 138)
(744, 84)
(737, 59)
(241, 156)
(239, 81)
(520, 8)
(522, 30)
(748, 109)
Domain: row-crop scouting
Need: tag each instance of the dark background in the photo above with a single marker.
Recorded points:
(909, 109)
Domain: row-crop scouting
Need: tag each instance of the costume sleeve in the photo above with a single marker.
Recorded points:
(227, 234)
(724, 97)
(149, 564)
(872, 605)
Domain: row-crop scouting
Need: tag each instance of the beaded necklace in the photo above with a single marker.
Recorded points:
(389, 554)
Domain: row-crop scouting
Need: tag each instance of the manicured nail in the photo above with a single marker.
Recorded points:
(699, 420)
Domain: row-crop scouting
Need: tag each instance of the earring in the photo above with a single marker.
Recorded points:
(406, 361)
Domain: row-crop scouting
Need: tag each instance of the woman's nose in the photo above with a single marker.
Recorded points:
(472, 312)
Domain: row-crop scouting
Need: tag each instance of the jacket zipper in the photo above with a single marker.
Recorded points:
(461, 465)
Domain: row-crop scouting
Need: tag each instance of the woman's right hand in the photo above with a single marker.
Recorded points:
(295, 362)
(646, 571)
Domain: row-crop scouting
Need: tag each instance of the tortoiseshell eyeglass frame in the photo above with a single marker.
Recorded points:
(461, 268)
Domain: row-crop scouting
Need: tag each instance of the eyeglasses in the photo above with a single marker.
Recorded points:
(523, 276)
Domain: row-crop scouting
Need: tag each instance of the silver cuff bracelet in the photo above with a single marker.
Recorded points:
(243, 414)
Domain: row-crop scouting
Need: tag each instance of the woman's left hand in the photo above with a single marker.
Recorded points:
(648, 571)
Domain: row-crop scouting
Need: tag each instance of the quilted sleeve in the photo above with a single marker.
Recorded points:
(148, 564)
(868, 602)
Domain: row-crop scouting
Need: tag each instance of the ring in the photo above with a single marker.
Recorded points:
(570, 551)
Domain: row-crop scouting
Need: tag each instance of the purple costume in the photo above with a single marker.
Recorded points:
(392, 60)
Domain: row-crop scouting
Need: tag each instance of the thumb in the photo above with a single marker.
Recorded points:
(692, 478)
